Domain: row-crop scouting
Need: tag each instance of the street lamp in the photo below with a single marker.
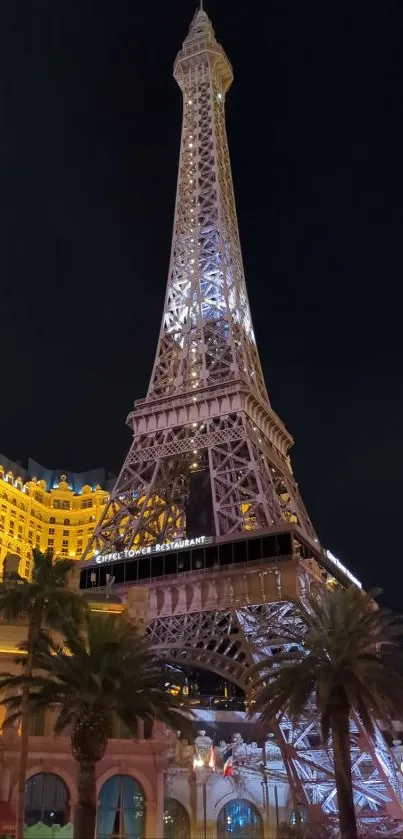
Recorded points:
(202, 765)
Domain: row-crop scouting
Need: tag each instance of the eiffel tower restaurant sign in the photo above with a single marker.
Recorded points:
(159, 547)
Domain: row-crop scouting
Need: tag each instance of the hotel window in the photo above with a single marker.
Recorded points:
(46, 800)
(80, 532)
(52, 520)
(66, 521)
(176, 820)
(51, 530)
(239, 818)
(64, 551)
(61, 505)
(65, 543)
(51, 542)
(37, 724)
(66, 532)
(120, 808)
(87, 503)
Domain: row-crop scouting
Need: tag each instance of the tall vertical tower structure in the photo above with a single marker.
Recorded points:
(209, 465)
(205, 436)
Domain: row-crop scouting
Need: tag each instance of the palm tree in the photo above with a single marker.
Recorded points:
(345, 654)
(108, 670)
(44, 602)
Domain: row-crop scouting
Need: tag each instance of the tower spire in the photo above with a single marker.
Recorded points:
(205, 437)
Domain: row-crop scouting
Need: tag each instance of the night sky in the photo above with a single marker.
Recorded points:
(89, 140)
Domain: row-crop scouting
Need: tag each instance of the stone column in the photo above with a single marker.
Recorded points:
(72, 809)
(152, 602)
(159, 810)
(230, 590)
(181, 608)
(154, 823)
(212, 593)
(167, 604)
(196, 599)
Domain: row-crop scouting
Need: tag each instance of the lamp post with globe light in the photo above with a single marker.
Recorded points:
(203, 766)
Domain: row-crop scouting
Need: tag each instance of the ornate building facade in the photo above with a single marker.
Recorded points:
(43, 508)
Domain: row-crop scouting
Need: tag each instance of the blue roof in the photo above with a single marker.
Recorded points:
(75, 480)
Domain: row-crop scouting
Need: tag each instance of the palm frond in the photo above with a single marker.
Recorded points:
(346, 649)
(106, 668)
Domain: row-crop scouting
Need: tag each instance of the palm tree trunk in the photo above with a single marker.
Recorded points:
(342, 771)
(24, 745)
(33, 635)
(86, 808)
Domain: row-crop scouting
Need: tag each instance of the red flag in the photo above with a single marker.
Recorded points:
(227, 770)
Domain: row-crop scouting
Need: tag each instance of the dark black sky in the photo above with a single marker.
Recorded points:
(89, 140)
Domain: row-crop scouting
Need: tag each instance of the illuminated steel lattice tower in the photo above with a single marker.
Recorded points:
(210, 456)
(206, 425)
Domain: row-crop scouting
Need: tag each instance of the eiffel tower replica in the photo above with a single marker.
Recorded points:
(206, 513)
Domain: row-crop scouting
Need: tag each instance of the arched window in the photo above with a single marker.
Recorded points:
(176, 820)
(120, 809)
(52, 520)
(66, 521)
(46, 800)
(239, 819)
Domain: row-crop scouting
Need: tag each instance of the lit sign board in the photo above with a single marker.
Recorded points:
(159, 547)
(342, 568)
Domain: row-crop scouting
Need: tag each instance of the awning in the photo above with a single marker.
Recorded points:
(7, 818)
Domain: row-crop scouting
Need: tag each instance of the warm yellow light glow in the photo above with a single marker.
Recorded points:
(12, 651)
(35, 515)
(197, 763)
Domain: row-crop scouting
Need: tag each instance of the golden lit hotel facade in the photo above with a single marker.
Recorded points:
(43, 508)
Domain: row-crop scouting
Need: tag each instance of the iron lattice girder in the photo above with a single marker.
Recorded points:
(206, 333)
(207, 395)
(244, 469)
(224, 642)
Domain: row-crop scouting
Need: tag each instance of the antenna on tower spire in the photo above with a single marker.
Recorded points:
(201, 6)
